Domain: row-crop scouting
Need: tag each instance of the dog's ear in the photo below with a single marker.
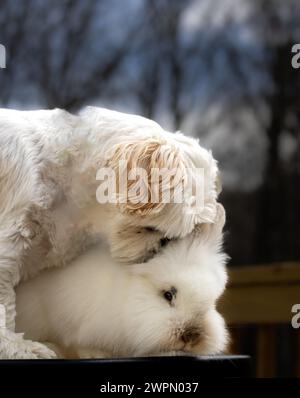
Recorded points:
(138, 162)
(211, 231)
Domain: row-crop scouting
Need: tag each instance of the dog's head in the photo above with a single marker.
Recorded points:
(165, 183)
(172, 185)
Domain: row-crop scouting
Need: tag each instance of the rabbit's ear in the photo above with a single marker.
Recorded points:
(150, 165)
(211, 231)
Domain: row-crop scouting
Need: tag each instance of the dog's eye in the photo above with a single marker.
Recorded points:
(164, 241)
(169, 295)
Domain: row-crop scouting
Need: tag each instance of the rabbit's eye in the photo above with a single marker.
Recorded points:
(169, 295)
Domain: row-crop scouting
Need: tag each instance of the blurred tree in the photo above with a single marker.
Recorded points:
(53, 51)
(213, 69)
(277, 213)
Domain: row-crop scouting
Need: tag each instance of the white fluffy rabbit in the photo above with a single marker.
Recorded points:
(96, 307)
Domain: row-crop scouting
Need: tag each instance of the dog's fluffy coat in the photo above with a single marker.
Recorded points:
(48, 209)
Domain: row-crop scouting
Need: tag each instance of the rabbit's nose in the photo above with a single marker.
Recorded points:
(191, 335)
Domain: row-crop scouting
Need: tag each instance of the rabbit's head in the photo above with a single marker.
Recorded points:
(172, 299)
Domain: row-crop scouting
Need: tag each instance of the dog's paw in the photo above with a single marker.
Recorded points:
(34, 350)
(13, 346)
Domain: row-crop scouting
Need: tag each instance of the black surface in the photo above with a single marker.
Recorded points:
(86, 378)
(203, 367)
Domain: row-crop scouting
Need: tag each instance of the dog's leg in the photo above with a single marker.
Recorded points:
(12, 345)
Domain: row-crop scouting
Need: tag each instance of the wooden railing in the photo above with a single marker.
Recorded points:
(263, 296)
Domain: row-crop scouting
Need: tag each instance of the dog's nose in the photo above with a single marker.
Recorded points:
(191, 335)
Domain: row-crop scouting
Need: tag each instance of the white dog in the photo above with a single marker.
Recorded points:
(48, 208)
(96, 307)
